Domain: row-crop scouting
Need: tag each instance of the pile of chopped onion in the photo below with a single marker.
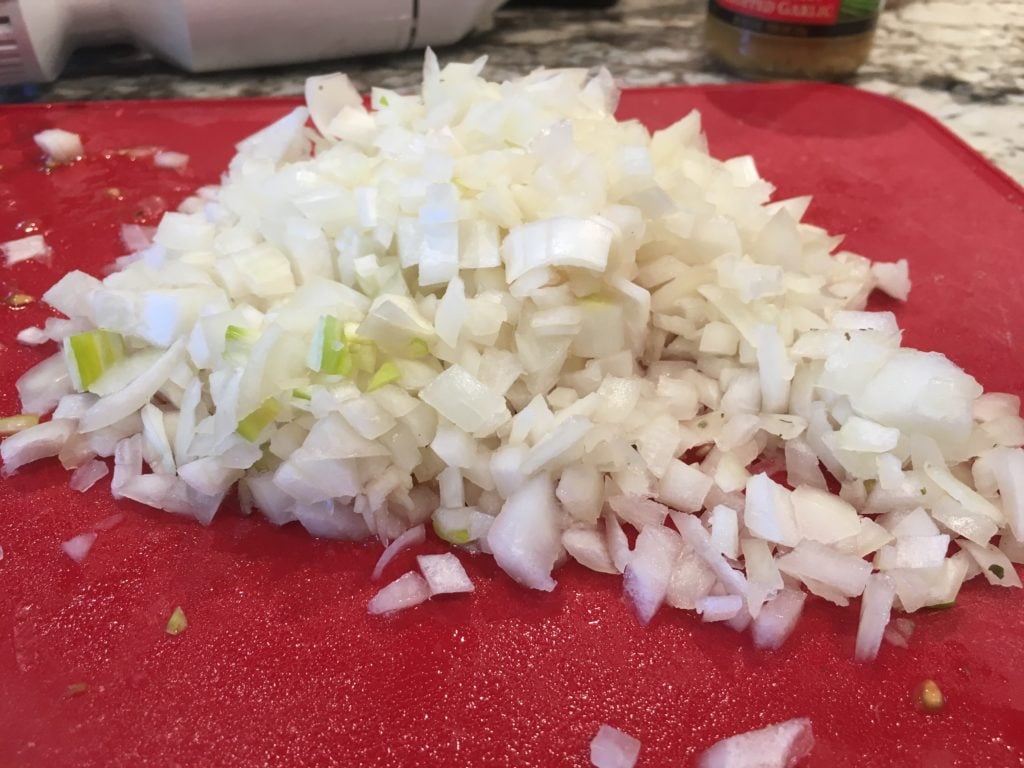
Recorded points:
(495, 309)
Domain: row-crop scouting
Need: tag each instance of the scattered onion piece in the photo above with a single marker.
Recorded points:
(404, 592)
(410, 538)
(32, 336)
(87, 475)
(25, 249)
(612, 748)
(59, 145)
(777, 746)
(444, 574)
(166, 159)
(77, 548)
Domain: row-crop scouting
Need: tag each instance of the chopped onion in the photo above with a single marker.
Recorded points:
(612, 748)
(719, 607)
(874, 616)
(444, 574)
(893, 279)
(77, 548)
(646, 577)
(776, 746)
(496, 308)
(410, 538)
(31, 247)
(525, 538)
(777, 619)
(588, 547)
(34, 443)
(42, 386)
(87, 475)
(404, 592)
(327, 96)
(166, 159)
(59, 145)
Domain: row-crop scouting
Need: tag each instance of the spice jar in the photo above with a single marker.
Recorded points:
(826, 39)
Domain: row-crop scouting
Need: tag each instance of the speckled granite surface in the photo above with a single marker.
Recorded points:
(960, 60)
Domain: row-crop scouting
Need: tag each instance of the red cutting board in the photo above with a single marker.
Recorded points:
(281, 666)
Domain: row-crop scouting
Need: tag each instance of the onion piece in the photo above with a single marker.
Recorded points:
(117, 406)
(25, 249)
(777, 619)
(587, 546)
(77, 548)
(327, 96)
(87, 475)
(444, 574)
(848, 574)
(410, 538)
(38, 442)
(646, 577)
(875, 606)
(719, 607)
(893, 278)
(32, 336)
(699, 539)
(612, 748)
(59, 145)
(404, 592)
(525, 538)
(777, 746)
(42, 386)
(167, 159)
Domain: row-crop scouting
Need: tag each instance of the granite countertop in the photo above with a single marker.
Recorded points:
(962, 61)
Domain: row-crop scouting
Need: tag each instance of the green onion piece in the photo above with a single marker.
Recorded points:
(997, 571)
(237, 342)
(238, 333)
(177, 623)
(302, 393)
(91, 354)
(386, 374)
(452, 535)
(13, 424)
(328, 351)
(252, 426)
(418, 348)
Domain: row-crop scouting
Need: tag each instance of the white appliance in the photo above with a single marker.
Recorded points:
(36, 36)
